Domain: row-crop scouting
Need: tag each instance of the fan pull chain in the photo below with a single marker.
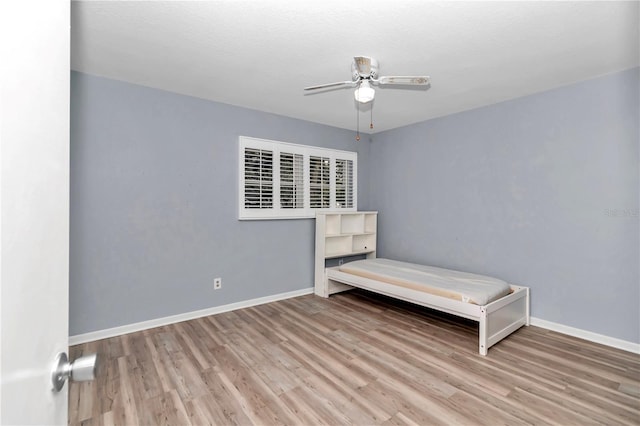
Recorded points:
(357, 121)
(371, 122)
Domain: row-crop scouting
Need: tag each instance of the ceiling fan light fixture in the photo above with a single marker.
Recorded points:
(364, 93)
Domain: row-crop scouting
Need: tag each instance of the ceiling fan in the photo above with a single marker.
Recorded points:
(364, 74)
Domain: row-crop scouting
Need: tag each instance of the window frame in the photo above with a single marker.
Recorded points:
(276, 211)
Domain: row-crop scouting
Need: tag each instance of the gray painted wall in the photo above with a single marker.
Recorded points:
(154, 205)
(541, 191)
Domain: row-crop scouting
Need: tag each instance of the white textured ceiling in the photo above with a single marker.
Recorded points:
(260, 54)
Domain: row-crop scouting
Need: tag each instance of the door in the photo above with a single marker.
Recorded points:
(34, 205)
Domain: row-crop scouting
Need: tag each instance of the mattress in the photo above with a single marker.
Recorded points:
(457, 285)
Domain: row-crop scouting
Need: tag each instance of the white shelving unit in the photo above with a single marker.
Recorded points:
(342, 234)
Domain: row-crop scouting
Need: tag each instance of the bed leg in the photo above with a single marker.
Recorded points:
(483, 346)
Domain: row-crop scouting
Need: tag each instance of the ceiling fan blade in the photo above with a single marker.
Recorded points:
(325, 86)
(413, 80)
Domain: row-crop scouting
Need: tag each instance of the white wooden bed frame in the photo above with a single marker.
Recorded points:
(496, 320)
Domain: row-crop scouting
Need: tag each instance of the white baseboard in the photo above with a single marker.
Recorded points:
(587, 335)
(145, 325)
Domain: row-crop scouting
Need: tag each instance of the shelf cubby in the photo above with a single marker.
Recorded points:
(332, 224)
(363, 242)
(335, 245)
(352, 224)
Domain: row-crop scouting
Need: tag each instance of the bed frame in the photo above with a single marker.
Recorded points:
(496, 320)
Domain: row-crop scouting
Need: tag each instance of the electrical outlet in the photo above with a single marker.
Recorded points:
(340, 262)
(217, 283)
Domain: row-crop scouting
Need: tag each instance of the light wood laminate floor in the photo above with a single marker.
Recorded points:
(355, 358)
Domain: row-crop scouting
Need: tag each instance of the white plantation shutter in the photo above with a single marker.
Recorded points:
(278, 180)
(258, 183)
(344, 183)
(319, 182)
(291, 180)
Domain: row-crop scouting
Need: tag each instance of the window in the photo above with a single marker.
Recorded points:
(319, 182)
(344, 186)
(282, 180)
(291, 181)
(258, 183)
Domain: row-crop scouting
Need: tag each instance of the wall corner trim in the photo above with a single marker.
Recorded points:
(158, 322)
(587, 335)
